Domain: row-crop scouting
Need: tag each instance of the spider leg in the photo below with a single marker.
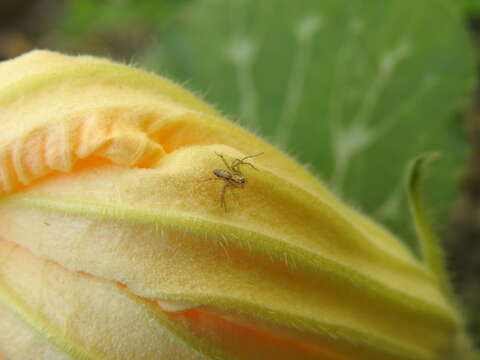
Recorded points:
(208, 179)
(234, 163)
(247, 163)
(222, 197)
(250, 156)
(234, 166)
(224, 161)
(237, 162)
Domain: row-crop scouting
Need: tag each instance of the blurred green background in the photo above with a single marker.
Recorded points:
(354, 89)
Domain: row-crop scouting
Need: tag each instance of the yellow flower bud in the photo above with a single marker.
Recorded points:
(117, 243)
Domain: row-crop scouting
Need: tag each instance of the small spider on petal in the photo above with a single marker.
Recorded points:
(233, 176)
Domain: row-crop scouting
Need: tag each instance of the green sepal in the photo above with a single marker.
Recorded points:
(431, 251)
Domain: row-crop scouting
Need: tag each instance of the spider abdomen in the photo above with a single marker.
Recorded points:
(222, 174)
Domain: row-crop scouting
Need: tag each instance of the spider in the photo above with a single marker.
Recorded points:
(233, 177)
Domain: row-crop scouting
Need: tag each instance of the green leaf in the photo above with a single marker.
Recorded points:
(355, 88)
(89, 15)
(472, 7)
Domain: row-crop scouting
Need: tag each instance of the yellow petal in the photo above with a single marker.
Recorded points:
(107, 173)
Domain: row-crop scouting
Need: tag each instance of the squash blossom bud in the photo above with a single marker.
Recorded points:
(115, 243)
